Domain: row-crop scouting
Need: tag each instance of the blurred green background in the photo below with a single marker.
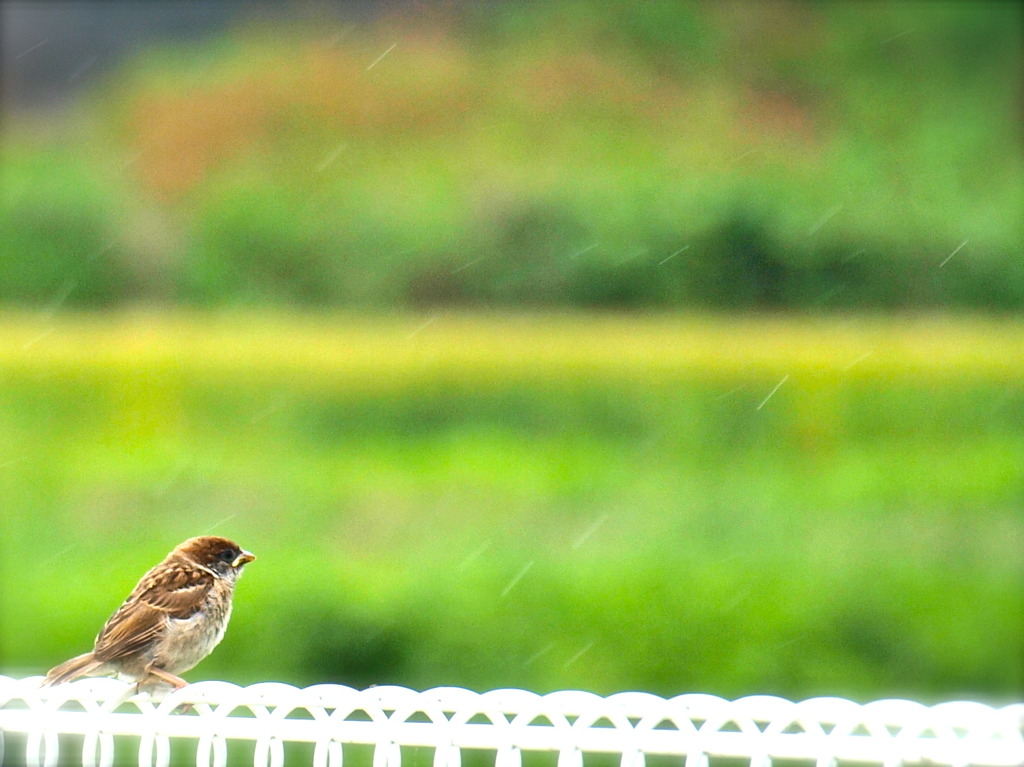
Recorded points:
(671, 347)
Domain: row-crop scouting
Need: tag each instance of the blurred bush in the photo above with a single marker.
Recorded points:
(781, 155)
(59, 234)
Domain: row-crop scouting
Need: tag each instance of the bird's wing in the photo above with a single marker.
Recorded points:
(166, 591)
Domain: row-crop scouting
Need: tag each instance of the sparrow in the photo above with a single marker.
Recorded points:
(174, 617)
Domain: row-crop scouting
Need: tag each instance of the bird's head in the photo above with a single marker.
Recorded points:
(222, 556)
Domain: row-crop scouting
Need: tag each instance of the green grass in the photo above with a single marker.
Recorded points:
(546, 502)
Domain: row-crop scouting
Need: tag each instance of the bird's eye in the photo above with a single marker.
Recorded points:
(228, 555)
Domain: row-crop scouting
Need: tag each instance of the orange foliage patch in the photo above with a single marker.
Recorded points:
(183, 136)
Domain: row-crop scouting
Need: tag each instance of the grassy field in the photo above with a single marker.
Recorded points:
(759, 504)
(340, 351)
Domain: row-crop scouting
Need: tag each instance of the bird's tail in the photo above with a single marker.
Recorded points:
(69, 670)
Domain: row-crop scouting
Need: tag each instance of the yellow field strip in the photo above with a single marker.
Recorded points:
(385, 349)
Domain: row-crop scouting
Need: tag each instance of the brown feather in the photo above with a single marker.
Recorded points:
(69, 670)
(161, 594)
(180, 594)
(135, 627)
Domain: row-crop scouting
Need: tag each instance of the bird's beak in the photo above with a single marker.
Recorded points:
(243, 558)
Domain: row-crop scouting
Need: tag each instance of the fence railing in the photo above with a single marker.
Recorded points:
(215, 724)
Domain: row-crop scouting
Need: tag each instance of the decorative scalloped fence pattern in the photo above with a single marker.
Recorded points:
(98, 722)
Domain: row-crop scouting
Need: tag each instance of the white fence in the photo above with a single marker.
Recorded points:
(95, 722)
